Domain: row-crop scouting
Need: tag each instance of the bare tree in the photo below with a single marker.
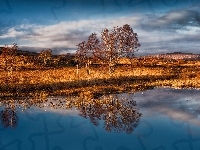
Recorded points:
(110, 55)
(81, 53)
(93, 47)
(8, 54)
(128, 40)
(10, 50)
(45, 56)
(88, 51)
(119, 42)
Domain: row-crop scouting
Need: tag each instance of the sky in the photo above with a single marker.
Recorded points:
(163, 26)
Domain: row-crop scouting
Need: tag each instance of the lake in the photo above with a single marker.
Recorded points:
(156, 119)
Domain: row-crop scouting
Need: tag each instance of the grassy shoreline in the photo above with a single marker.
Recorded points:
(125, 78)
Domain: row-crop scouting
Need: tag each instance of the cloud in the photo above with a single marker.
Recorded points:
(61, 36)
(174, 31)
(176, 19)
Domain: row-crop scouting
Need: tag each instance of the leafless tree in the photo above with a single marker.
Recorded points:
(128, 40)
(45, 56)
(81, 53)
(10, 50)
(8, 55)
(110, 54)
(93, 46)
(88, 51)
(119, 42)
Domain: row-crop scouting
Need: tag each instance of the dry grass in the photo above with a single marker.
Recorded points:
(124, 78)
(70, 74)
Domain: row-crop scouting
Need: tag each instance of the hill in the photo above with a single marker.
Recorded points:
(175, 56)
(25, 53)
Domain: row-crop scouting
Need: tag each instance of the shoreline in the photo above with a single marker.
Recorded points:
(111, 84)
(125, 77)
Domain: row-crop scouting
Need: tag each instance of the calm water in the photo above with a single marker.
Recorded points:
(157, 119)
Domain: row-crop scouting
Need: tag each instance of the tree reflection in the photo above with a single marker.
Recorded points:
(118, 112)
(9, 117)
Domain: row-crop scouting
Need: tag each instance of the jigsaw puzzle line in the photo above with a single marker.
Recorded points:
(104, 11)
(133, 4)
(72, 125)
(144, 135)
(93, 138)
(46, 132)
(177, 125)
(18, 141)
(170, 4)
(190, 139)
(53, 9)
(9, 11)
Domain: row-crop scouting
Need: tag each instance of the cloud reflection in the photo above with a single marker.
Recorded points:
(177, 104)
(117, 111)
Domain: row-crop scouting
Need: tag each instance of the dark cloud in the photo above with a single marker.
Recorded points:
(55, 50)
(188, 38)
(176, 19)
(31, 49)
(73, 35)
(176, 30)
(63, 50)
(175, 45)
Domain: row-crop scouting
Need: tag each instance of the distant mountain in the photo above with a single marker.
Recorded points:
(175, 55)
(21, 52)
(27, 53)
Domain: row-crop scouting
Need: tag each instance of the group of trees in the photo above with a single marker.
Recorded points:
(114, 44)
(47, 59)
(10, 50)
(14, 59)
(44, 57)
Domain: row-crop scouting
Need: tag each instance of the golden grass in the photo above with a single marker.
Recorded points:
(70, 74)
(124, 78)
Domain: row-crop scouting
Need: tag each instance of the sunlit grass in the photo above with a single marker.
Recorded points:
(143, 73)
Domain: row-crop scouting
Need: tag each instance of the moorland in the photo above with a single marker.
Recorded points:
(27, 74)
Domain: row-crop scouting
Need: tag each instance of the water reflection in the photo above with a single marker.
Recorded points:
(9, 117)
(178, 104)
(170, 119)
(118, 114)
